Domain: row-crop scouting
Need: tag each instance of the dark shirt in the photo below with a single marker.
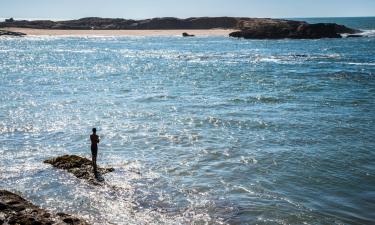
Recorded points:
(94, 140)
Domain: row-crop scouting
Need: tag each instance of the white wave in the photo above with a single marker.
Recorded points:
(368, 33)
(361, 64)
(294, 58)
(75, 51)
(364, 33)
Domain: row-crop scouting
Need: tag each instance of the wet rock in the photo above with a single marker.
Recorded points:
(11, 33)
(16, 210)
(354, 36)
(79, 167)
(187, 35)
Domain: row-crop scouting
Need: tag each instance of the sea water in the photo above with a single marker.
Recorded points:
(204, 130)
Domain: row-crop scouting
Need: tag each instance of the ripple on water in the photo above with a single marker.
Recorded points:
(201, 131)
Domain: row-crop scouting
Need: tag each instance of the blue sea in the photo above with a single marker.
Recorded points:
(204, 130)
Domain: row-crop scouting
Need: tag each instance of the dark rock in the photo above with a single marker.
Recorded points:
(36, 24)
(11, 33)
(79, 167)
(187, 35)
(315, 31)
(10, 20)
(30, 214)
(341, 29)
(124, 24)
(354, 36)
(166, 23)
(279, 29)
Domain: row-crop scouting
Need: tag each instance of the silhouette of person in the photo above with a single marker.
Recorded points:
(94, 149)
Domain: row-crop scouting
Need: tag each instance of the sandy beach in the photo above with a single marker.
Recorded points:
(209, 32)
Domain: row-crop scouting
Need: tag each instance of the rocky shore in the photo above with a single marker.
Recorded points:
(16, 210)
(251, 28)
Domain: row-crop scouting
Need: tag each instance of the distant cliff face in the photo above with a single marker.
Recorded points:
(255, 28)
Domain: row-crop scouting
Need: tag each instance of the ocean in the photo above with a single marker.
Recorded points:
(204, 130)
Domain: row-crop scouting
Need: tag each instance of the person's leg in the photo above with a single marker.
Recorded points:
(94, 163)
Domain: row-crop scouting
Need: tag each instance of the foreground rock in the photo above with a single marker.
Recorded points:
(11, 33)
(280, 29)
(79, 167)
(16, 210)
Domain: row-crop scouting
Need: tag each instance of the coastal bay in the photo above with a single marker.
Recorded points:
(198, 130)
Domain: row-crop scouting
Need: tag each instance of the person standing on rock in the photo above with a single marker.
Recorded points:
(94, 148)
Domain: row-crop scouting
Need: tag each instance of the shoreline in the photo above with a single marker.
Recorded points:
(174, 32)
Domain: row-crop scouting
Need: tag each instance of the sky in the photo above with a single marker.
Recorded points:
(141, 9)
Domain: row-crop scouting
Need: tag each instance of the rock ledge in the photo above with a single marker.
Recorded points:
(79, 167)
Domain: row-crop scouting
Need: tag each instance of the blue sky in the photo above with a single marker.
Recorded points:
(138, 9)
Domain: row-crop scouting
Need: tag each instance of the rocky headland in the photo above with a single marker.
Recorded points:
(252, 28)
(16, 210)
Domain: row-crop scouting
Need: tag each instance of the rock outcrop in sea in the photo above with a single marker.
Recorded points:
(187, 35)
(79, 167)
(279, 29)
(16, 210)
(11, 33)
(254, 28)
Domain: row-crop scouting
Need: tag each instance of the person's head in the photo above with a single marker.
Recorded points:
(94, 130)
